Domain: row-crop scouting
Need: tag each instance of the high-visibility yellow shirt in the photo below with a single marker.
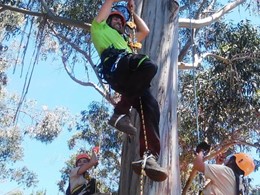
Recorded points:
(103, 36)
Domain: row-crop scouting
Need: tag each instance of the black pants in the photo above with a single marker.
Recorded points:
(132, 79)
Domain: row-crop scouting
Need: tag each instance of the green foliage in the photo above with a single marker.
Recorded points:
(10, 145)
(49, 124)
(43, 125)
(21, 175)
(10, 23)
(226, 91)
(80, 10)
(228, 105)
(12, 136)
(3, 80)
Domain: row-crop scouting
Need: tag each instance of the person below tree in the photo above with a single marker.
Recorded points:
(80, 181)
(129, 74)
(225, 179)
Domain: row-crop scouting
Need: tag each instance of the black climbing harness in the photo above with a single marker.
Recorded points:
(109, 61)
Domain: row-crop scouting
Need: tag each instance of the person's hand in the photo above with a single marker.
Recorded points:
(94, 159)
(131, 5)
(220, 159)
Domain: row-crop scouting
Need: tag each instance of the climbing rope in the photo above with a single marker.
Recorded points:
(145, 155)
(200, 179)
(133, 41)
(134, 46)
(194, 73)
(143, 124)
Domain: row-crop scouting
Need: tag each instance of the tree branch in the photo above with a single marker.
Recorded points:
(20, 10)
(198, 60)
(89, 84)
(251, 56)
(74, 46)
(198, 23)
(49, 15)
(185, 66)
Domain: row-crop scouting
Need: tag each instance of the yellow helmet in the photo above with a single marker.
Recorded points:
(245, 163)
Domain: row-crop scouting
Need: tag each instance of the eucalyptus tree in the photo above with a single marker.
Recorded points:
(227, 93)
(219, 99)
(62, 28)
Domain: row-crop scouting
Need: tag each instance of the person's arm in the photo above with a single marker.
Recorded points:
(142, 29)
(93, 161)
(198, 163)
(105, 10)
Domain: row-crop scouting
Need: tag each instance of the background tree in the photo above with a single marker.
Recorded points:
(216, 113)
(227, 88)
(66, 29)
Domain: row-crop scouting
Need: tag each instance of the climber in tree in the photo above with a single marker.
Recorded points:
(129, 74)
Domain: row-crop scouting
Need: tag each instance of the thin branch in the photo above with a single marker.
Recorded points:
(224, 60)
(185, 66)
(193, 32)
(74, 46)
(198, 23)
(254, 56)
(20, 10)
(89, 84)
(49, 15)
(198, 60)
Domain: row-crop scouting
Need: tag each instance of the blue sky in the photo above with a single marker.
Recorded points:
(53, 87)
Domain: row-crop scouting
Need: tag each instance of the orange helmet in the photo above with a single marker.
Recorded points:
(118, 13)
(245, 163)
(80, 156)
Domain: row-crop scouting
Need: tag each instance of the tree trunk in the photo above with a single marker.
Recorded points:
(162, 47)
